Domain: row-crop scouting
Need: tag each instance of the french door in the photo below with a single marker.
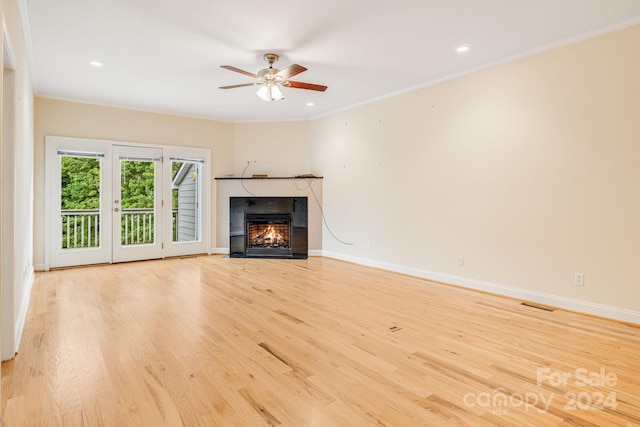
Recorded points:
(137, 203)
(107, 202)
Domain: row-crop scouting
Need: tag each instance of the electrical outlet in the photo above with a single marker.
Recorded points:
(460, 261)
(370, 246)
(578, 279)
(266, 168)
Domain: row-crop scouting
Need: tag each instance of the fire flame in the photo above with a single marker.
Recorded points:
(269, 237)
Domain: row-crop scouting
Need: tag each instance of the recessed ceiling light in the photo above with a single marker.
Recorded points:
(463, 48)
(96, 63)
(310, 104)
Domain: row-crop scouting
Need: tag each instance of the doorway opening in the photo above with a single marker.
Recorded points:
(108, 202)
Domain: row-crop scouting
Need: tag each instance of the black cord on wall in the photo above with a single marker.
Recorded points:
(324, 219)
(242, 178)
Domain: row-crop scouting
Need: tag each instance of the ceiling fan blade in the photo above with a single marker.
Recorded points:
(240, 85)
(291, 71)
(301, 85)
(238, 70)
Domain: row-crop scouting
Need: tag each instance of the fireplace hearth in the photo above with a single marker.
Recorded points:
(268, 227)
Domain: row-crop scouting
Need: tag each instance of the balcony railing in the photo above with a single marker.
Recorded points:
(137, 226)
(81, 228)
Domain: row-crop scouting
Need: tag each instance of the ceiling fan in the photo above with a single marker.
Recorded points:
(271, 80)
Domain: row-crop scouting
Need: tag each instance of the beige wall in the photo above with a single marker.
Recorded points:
(60, 118)
(278, 149)
(19, 198)
(529, 170)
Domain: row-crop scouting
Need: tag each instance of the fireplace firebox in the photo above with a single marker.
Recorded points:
(268, 234)
(268, 227)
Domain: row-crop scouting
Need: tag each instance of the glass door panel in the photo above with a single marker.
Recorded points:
(80, 202)
(137, 200)
(185, 201)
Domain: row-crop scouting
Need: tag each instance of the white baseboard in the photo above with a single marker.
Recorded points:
(533, 296)
(40, 267)
(315, 252)
(22, 314)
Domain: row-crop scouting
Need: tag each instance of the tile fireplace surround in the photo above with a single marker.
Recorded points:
(268, 227)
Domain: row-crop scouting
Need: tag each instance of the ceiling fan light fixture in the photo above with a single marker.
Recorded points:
(276, 93)
(270, 92)
(271, 80)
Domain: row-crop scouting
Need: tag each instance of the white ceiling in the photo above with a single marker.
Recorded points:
(165, 55)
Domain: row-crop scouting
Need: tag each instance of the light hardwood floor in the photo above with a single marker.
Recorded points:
(212, 341)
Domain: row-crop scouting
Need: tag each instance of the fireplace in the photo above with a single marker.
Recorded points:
(268, 227)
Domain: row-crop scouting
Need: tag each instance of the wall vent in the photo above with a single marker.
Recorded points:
(539, 307)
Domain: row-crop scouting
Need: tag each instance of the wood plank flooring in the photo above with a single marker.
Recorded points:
(213, 341)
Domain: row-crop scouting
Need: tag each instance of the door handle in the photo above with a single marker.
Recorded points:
(116, 210)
